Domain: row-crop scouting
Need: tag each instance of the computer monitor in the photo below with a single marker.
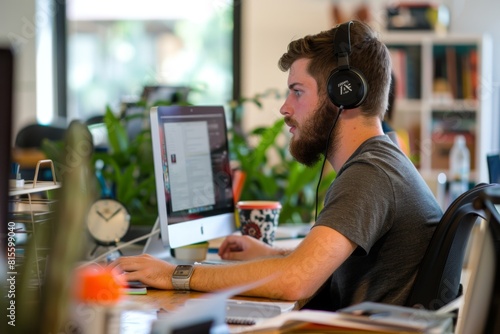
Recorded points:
(6, 98)
(493, 162)
(193, 175)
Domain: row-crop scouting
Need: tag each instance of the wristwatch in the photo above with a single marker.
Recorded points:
(182, 276)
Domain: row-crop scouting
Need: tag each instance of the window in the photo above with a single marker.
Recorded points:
(115, 48)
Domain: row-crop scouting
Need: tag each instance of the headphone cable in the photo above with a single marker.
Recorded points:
(341, 108)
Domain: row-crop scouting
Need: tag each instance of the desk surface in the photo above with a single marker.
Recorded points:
(170, 300)
(166, 301)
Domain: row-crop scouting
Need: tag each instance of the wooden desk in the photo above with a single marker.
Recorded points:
(163, 301)
(170, 300)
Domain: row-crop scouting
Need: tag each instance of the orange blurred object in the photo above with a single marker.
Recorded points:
(99, 285)
(239, 177)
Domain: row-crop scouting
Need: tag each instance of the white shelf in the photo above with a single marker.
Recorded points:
(31, 188)
(32, 212)
(425, 106)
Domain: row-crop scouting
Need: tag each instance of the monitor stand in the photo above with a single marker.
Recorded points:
(159, 249)
(155, 245)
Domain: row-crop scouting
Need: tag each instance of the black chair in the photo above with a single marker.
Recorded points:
(32, 135)
(438, 280)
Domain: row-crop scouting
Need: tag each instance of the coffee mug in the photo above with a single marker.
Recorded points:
(259, 219)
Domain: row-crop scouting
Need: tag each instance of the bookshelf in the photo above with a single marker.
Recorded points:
(443, 88)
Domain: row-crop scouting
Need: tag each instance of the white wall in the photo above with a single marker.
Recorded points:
(17, 25)
(267, 28)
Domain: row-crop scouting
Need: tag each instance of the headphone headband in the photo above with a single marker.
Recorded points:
(342, 44)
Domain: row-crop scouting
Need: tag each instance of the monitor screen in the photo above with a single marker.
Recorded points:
(6, 97)
(193, 175)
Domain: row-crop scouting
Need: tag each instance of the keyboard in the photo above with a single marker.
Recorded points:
(243, 312)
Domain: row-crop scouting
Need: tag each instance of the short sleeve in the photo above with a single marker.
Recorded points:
(359, 204)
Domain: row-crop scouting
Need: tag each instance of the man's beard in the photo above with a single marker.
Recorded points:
(314, 135)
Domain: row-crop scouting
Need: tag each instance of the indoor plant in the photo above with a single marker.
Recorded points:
(125, 171)
(280, 178)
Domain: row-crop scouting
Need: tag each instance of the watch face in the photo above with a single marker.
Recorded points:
(108, 221)
(183, 270)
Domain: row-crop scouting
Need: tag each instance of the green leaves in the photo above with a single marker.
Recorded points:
(125, 170)
(273, 174)
(128, 169)
(117, 134)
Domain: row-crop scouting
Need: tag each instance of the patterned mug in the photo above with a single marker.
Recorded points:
(259, 219)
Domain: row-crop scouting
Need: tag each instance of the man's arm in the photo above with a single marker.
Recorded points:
(295, 276)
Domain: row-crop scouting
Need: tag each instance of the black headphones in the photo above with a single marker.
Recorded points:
(346, 85)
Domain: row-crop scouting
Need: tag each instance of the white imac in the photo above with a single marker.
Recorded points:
(193, 176)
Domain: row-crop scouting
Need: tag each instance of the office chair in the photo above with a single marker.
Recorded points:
(438, 279)
(32, 135)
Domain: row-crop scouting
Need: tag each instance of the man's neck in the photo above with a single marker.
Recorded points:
(353, 131)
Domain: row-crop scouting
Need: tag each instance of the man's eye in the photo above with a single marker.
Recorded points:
(297, 92)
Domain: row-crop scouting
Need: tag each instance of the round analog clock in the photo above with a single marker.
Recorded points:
(107, 221)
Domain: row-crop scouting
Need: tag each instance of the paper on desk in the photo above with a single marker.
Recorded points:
(280, 322)
(387, 319)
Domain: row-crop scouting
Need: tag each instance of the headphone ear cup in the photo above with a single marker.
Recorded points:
(347, 88)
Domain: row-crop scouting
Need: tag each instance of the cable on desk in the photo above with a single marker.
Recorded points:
(128, 243)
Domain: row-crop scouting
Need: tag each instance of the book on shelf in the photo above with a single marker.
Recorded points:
(469, 75)
(406, 65)
(413, 72)
(398, 58)
(451, 70)
(473, 68)
(455, 72)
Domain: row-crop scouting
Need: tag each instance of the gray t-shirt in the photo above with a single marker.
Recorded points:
(380, 202)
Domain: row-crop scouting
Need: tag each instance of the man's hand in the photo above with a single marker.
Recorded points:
(147, 269)
(235, 247)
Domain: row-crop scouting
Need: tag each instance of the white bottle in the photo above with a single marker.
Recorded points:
(459, 168)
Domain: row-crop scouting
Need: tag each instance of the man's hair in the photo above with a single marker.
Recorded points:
(368, 55)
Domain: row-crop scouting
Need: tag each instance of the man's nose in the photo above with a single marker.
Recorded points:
(285, 109)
